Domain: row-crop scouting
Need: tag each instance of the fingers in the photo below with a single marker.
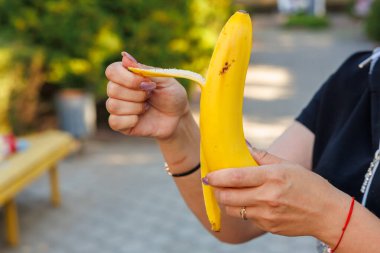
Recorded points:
(271, 197)
(236, 197)
(117, 91)
(129, 60)
(262, 157)
(120, 75)
(121, 107)
(122, 123)
(237, 178)
(251, 213)
(236, 211)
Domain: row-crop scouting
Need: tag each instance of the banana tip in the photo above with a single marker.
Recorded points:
(215, 228)
(243, 11)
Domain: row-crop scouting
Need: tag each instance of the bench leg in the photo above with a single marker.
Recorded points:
(54, 186)
(11, 221)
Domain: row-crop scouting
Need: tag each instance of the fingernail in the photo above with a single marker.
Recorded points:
(205, 180)
(130, 57)
(148, 86)
(248, 144)
(149, 93)
(146, 107)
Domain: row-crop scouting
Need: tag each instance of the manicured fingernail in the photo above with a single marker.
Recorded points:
(248, 144)
(130, 57)
(146, 106)
(148, 86)
(205, 180)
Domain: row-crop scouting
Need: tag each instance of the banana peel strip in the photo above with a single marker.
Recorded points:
(177, 73)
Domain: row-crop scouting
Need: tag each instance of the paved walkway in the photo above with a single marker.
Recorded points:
(116, 197)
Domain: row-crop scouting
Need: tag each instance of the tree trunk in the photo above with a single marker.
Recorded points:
(28, 100)
(5, 92)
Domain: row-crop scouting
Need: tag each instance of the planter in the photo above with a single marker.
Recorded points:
(76, 112)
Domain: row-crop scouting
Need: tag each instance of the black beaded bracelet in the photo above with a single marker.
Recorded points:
(183, 173)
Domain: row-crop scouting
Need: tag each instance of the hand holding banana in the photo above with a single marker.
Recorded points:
(143, 107)
(280, 197)
(222, 138)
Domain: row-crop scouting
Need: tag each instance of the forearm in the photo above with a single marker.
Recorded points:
(295, 145)
(362, 233)
(181, 152)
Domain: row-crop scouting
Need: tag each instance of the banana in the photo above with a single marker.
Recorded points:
(222, 139)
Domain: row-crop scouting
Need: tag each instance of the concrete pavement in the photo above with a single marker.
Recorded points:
(118, 199)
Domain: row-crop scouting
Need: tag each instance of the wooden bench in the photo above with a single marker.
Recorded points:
(18, 171)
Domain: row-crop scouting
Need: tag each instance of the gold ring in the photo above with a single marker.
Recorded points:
(243, 213)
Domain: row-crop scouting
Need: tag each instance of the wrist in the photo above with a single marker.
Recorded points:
(181, 149)
(333, 216)
(185, 123)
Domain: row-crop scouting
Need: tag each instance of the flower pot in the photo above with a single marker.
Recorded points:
(76, 112)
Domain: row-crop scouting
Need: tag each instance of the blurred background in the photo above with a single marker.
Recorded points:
(116, 196)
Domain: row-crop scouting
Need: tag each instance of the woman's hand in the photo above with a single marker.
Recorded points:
(143, 107)
(281, 197)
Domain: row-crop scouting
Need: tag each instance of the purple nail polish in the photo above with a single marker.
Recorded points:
(248, 144)
(148, 86)
(205, 180)
(146, 106)
(130, 57)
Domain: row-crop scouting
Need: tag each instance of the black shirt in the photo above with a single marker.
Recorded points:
(344, 115)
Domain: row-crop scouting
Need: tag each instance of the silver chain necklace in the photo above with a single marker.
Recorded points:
(322, 247)
(369, 175)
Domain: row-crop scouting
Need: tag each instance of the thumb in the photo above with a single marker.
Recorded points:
(262, 157)
(129, 61)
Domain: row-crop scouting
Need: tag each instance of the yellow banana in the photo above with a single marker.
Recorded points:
(222, 138)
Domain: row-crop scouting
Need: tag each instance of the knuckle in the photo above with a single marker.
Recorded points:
(278, 175)
(123, 125)
(133, 80)
(113, 123)
(111, 106)
(112, 89)
(237, 176)
(133, 120)
(273, 198)
(224, 197)
(110, 71)
(274, 202)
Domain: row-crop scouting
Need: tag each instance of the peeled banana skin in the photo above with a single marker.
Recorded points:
(221, 111)
(222, 139)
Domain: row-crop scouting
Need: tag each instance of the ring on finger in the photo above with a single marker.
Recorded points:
(243, 213)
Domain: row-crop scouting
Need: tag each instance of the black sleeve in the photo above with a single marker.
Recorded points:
(329, 96)
(309, 115)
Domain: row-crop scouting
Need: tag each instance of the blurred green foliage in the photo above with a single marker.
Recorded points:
(305, 20)
(373, 21)
(69, 43)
